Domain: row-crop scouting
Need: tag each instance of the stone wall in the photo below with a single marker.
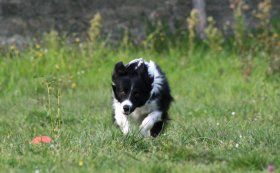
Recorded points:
(21, 20)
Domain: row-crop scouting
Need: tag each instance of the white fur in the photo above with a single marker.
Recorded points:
(139, 60)
(121, 119)
(158, 78)
(148, 123)
(145, 116)
(126, 102)
(123, 123)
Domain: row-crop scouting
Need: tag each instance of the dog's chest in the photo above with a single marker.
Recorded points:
(142, 112)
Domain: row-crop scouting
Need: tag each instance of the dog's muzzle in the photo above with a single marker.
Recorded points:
(126, 109)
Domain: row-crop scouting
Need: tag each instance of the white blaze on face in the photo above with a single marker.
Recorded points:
(126, 102)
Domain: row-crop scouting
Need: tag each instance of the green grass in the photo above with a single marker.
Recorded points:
(203, 136)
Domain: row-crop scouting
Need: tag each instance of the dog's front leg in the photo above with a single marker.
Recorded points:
(122, 121)
(148, 123)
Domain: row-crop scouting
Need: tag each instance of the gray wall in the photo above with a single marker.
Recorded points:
(22, 19)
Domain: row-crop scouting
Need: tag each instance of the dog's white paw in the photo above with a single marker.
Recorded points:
(125, 129)
(145, 132)
(146, 126)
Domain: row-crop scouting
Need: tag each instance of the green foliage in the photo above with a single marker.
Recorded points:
(157, 40)
(220, 121)
(224, 118)
(126, 41)
(263, 13)
(239, 27)
(50, 40)
(215, 38)
(192, 23)
(95, 27)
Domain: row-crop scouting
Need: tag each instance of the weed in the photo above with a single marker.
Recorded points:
(215, 38)
(157, 40)
(95, 28)
(192, 23)
(239, 27)
(126, 41)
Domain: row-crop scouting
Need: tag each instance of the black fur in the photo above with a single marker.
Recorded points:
(134, 82)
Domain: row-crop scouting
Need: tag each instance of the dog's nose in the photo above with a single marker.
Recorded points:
(126, 108)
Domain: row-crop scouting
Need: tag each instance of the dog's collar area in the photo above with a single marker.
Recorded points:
(151, 98)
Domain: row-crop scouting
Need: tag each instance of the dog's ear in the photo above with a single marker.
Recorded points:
(142, 71)
(119, 69)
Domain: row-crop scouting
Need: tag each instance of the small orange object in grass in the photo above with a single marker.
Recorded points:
(41, 139)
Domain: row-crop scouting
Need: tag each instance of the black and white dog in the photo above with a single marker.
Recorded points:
(141, 96)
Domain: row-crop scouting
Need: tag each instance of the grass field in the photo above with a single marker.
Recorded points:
(223, 120)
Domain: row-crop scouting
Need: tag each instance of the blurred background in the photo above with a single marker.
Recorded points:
(22, 20)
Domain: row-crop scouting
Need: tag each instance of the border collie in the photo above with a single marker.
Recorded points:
(141, 96)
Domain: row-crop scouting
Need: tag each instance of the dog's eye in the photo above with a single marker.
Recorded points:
(123, 93)
(136, 94)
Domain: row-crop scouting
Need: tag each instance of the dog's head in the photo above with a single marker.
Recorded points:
(131, 85)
